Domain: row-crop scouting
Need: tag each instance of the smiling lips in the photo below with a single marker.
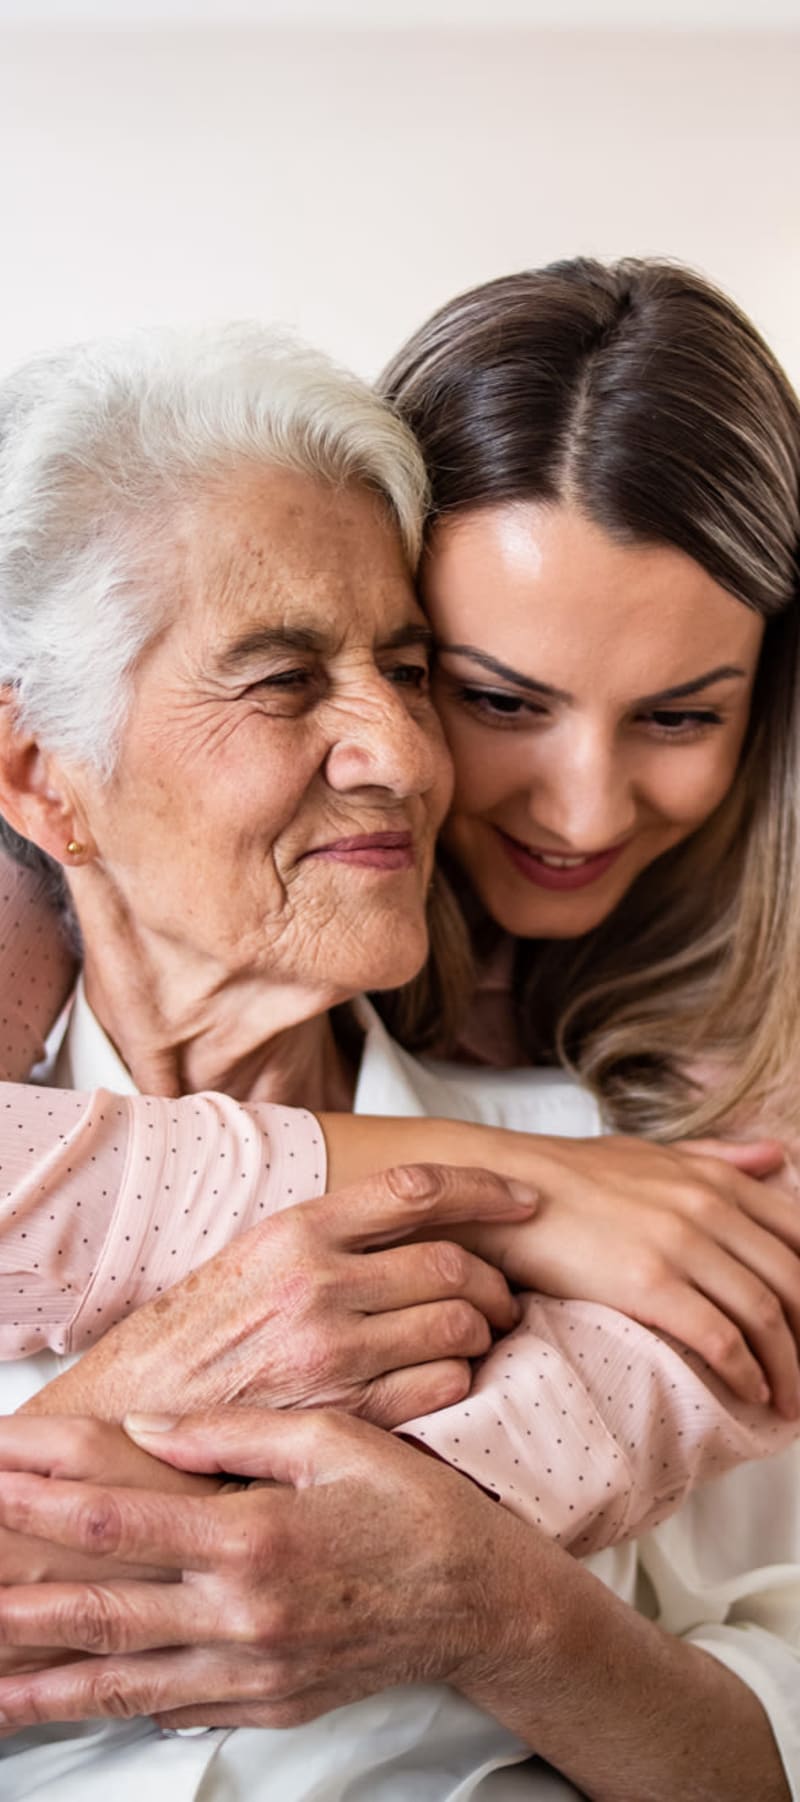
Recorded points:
(370, 851)
(551, 870)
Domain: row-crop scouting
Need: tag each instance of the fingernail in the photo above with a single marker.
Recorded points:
(140, 1426)
(522, 1192)
(764, 1393)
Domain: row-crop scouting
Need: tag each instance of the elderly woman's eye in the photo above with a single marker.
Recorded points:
(287, 678)
(410, 675)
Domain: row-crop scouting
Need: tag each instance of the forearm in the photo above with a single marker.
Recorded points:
(627, 1712)
(359, 1145)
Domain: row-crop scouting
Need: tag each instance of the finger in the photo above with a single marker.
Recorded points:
(75, 1447)
(402, 1395)
(23, 1445)
(757, 1157)
(114, 1617)
(400, 1201)
(145, 1683)
(775, 1209)
(289, 1446)
(756, 1310)
(752, 1225)
(24, 1559)
(434, 1270)
(435, 1330)
(124, 1524)
(745, 1309)
(686, 1315)
(764, 1255)
(290, 1711)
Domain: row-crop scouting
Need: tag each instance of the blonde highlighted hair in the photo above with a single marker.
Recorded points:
(641, 394)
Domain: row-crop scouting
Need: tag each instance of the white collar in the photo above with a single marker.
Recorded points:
(86, 1058)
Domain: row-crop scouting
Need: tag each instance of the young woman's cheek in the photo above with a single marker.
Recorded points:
(684, 784)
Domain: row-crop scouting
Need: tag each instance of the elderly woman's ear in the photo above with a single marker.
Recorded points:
(35, 797)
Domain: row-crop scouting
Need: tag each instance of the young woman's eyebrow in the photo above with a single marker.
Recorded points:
(681, 691)
(497, 668)
(723, 673)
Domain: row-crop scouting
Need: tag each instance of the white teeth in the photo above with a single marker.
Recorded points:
(559, 863)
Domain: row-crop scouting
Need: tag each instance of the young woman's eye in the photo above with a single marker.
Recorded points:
(497, 705)
(683, 724)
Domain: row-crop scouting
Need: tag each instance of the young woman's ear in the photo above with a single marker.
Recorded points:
(34, 798)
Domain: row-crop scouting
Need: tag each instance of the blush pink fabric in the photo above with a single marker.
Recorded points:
(581, 1421)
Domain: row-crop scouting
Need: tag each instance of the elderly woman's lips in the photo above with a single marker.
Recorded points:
(370, 851)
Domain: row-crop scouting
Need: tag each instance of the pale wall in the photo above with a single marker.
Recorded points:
(348, 183)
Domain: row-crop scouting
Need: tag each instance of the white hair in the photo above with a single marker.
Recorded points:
(100, 443)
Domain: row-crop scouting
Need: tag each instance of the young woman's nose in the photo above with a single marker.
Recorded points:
(584, 798)
(381, 743)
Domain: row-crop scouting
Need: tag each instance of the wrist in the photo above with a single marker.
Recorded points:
(361, 1145)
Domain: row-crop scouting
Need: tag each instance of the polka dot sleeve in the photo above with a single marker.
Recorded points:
(36, 969)
(592, 1427)
(105, 1200)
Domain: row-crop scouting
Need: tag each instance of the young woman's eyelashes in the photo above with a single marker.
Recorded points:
(500, 707)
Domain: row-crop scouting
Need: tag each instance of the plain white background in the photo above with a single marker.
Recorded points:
(348, 170)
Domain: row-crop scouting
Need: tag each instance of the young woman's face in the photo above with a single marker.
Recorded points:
(595, 696)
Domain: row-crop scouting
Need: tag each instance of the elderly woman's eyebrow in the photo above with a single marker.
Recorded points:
(263, 639)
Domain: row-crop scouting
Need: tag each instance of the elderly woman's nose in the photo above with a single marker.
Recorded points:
(380, 743)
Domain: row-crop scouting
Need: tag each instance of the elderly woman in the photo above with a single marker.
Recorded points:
(274, 618)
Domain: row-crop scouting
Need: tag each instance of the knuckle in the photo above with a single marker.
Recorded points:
(270, 1626)
(88, 1623)
(278, 1679)
(678, 1238)
(450, 1264)
(323, 1431)
(417, 1185)
(647, 1271)
(464, 1328)
(701, 1203)
(296, 1294)
(247, 1550)
(80, 1445)
(769, 1314)
(722, 1345)
(99, 1525)
(318, 1358)
(106, 1694)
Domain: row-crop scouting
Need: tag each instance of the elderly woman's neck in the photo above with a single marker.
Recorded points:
(242, 1037)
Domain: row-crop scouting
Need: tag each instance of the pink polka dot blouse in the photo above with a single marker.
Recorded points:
(581, 1421)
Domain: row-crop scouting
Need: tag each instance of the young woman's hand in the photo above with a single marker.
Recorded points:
(686, 1239)
(678, 1238)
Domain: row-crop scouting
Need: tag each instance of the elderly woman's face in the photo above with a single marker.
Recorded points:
(282, 773)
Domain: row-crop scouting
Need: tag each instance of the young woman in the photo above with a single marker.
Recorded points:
(612, 858)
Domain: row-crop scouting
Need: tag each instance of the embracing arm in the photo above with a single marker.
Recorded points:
(37, 968)
(594, 1429)
(107, 1200)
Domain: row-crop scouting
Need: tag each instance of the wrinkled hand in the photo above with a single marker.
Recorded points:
(678, 1238)
(78, 1450)
(315, 1309)
(375, 1566)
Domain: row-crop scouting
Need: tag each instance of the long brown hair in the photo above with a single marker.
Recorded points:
(641, 394)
